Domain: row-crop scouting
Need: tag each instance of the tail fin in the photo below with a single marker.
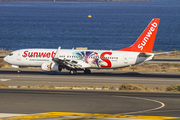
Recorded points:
(146, 40)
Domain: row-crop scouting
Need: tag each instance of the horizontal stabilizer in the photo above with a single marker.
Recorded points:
(161, 53)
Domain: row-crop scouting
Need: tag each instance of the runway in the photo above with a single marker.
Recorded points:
(24, 101)
(65, 103)
(35, 77)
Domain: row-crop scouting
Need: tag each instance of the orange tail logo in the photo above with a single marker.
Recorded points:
(146, 40)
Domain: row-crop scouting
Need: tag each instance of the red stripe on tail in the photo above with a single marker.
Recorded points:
(146, 40)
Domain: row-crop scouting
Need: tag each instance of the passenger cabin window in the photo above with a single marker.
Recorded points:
(62, 56)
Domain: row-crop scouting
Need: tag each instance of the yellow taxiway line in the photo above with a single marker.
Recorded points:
(71, 115)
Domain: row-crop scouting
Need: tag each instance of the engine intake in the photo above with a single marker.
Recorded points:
(51, 66)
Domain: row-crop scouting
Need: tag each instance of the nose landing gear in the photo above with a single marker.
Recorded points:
(19, 71)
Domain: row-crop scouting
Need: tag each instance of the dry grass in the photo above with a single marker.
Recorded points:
(3, 86)
(91, 86)
(19, 86)
(112, 88)
(105, 86)
(43, 86)
(133, 87)
(51, 87)
(2, 51)
(164, 67)
(157, 89)
(173, 88)
(127, 86)
(124, 87)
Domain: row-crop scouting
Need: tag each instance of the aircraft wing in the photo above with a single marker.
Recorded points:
(68, 64)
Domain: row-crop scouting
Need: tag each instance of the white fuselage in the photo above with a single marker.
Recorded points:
(86, 58)
(73, 60)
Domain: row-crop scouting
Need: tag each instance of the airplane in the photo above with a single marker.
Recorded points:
(71, 59)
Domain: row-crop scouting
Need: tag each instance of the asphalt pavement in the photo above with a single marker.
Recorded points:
(36, 77)
(25, 101)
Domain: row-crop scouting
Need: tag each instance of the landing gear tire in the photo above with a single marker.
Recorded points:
(73, 72)
(87, 71)
(59, 68)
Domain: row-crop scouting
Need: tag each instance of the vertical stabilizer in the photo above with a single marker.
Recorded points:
(146, 40)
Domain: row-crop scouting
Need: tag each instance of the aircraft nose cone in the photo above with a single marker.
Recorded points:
(5, 59)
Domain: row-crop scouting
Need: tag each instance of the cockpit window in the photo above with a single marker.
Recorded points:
(11, 54)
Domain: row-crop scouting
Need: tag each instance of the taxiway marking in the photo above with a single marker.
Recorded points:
(5, 79)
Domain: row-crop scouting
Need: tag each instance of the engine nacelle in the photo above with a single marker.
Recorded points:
(51, 66)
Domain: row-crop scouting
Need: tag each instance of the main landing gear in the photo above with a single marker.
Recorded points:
(73, 72)
(87, 71)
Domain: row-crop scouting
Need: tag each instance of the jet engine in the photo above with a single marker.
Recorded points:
(51, 66)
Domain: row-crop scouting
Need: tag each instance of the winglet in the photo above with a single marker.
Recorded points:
(146, 40)
(57, 52)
